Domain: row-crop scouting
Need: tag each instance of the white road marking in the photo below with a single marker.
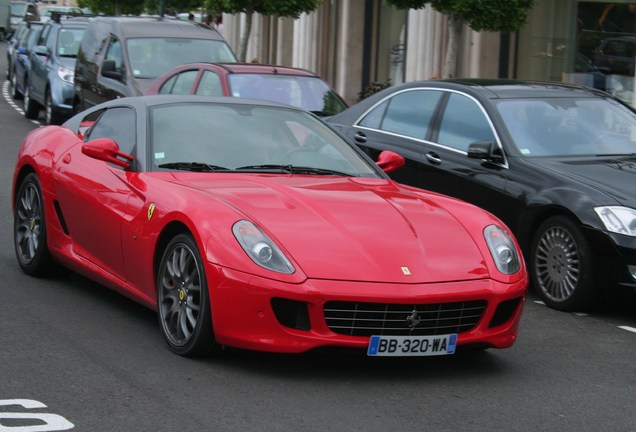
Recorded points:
(7, 97)
(628, 328)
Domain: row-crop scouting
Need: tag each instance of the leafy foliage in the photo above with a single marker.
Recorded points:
(489, 15)
(283, 8)
(113, 7)
(373, 88)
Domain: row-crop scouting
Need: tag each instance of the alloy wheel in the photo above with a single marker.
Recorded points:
(28, 223)
(557, 264)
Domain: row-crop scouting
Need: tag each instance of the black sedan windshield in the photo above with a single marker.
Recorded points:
(216, 137)
(569, 126)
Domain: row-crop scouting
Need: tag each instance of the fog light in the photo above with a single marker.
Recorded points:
(632, 271)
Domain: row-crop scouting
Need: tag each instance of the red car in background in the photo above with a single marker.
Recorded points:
(290, 86)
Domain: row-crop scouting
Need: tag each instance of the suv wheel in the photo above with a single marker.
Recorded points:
(15, 93)
(51, 116)
(31, 108)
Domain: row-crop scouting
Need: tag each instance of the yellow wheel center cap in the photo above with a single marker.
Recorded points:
(32, 225)
(182, 294)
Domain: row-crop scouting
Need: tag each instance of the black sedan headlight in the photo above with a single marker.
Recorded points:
(619, 220)
(260, 248)
(502, 249)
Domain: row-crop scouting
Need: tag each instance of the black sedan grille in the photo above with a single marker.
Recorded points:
(366, 319)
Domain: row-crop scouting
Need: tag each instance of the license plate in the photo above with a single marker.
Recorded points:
(412, 345)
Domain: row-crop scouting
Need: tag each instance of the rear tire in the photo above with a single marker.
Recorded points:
(31, 107)
(15, 93)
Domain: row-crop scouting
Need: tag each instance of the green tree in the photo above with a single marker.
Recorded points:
(154, 6)
(113, 7)
(282, 8)
(479, 15)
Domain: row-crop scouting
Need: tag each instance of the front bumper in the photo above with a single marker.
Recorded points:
(613, 255)
(262, 314)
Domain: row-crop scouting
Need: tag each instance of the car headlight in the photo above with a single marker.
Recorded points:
(260, 248)
(619, 220)
(502, 249)
(66, 74)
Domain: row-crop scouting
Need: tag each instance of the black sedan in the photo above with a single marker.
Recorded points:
(557, 163)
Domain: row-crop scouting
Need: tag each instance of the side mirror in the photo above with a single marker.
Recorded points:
(485, 150)
(107, 150)
(109, 70)
(23, 51)
(41, 50)
(390, 161)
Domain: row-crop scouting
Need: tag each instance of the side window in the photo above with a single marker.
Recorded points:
(210, 85)
(410, 113)
(113, 53)
(50, 40)
(44, 35)
(118, 124)
(374, 118)
(463, 124)
(181, 83)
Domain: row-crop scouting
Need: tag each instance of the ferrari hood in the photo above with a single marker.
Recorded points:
(352, 228)
(612, 176)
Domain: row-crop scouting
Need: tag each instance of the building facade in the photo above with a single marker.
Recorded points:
(354, 43)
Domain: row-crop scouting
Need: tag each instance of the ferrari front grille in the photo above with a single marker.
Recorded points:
(366, 319)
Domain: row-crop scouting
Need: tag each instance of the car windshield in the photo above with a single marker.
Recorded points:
(69, 41)
(217, 137)
(569, 126)
(309, 93)
(151, 57)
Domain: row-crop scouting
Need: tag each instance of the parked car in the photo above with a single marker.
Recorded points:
(615, 55)
(22, 63)
(5, 23)
(121, 56)
(21, 11)
(12, 44)
(46, 12)
(554, 162)
(297, 87)
(50, 82)
(254, 225)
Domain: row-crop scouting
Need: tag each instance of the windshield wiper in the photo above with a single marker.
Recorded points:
(292, 169)
(193, 166)
(267, 168)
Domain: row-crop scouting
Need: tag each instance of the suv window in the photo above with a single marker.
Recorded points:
(113, 53)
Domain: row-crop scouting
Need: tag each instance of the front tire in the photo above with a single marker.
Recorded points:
(51, 116)
(562, 266)
(183, 303)
(29, 228)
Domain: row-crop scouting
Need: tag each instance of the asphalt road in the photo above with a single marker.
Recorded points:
(74, 355)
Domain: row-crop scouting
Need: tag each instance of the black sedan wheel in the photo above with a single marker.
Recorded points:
(29, 229)
(561, 265)
(182, 299)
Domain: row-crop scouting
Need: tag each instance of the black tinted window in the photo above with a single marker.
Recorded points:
(463, 124)
(410, 113)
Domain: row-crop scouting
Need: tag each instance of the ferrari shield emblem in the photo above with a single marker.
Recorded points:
(151, 210)
(406, 271)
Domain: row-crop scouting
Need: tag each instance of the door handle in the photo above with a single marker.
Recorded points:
(433, 158)
(360, 137)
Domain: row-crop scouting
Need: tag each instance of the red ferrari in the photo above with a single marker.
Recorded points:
(255, 225)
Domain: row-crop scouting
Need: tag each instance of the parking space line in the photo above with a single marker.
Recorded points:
(7, 97)
(628, 328)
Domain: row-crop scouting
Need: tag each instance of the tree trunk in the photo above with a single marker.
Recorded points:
(246, 35)
(455, 24)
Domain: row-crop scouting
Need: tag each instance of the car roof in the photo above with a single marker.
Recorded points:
(246, 68)
(132, 27)
(506, 89)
